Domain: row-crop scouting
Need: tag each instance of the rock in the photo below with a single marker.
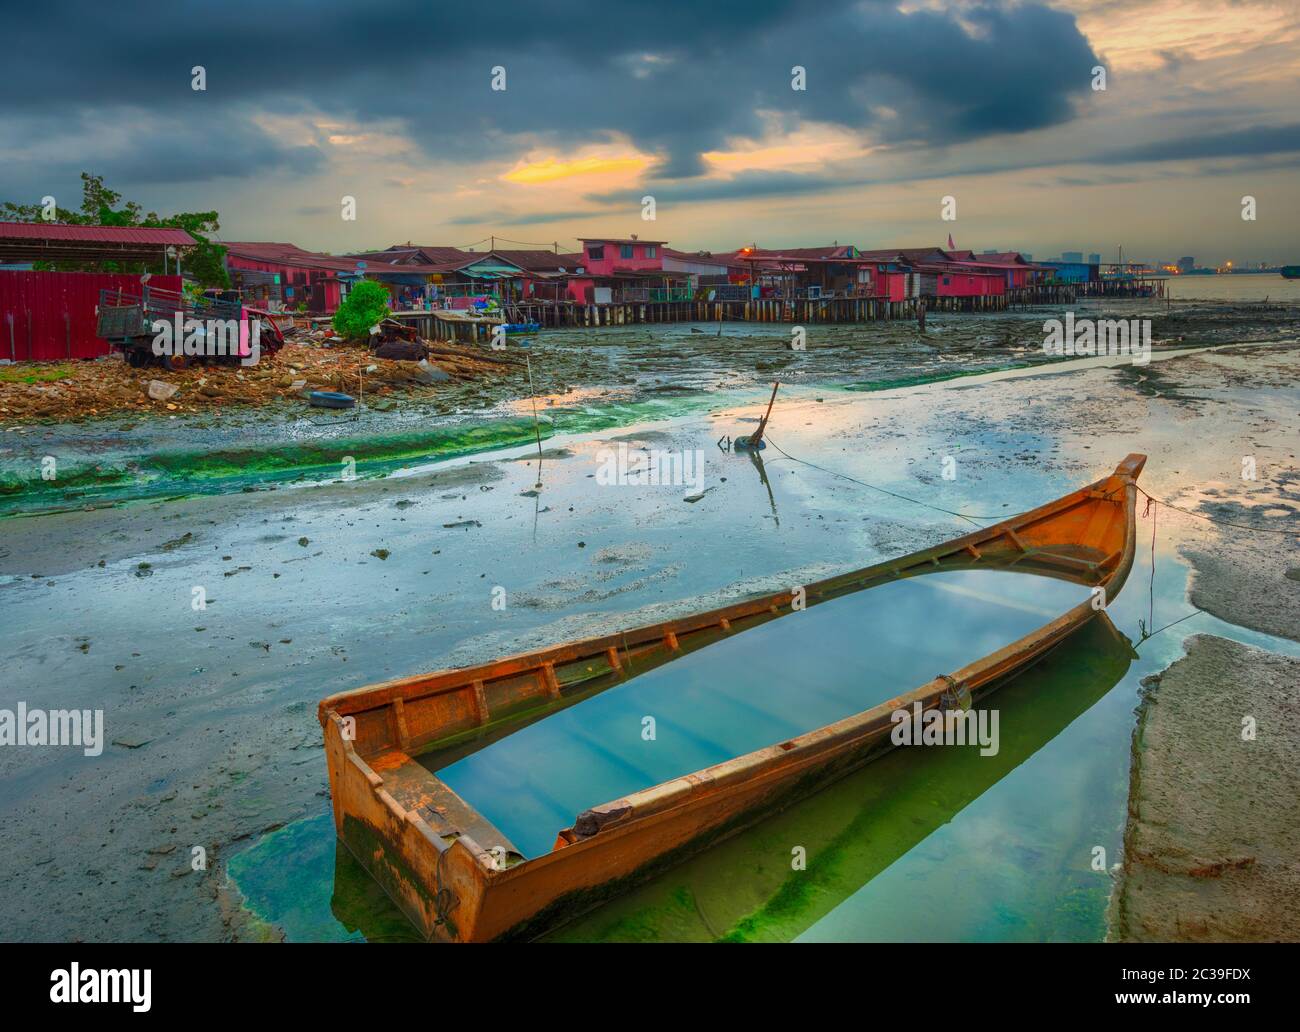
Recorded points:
(160, 390)
(425, 373)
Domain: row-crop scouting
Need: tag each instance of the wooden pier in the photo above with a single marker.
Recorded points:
(461, 326)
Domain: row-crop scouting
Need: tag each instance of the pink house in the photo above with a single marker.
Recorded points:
(969, 279)
(1012, 266)
(606, 257)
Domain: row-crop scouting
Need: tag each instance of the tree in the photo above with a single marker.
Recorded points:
(100, 207)
(365, 305)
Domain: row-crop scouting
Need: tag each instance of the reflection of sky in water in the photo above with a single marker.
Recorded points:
(1015, 864)
(760, 687)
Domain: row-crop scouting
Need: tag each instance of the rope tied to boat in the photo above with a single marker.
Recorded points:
(1145, 634)
(956, 696)
(444, 900)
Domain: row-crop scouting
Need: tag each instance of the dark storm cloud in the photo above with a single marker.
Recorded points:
(1233, 143)
(1255, 149)
(677, 78)
(739, 187)
(133, 145)
(501, 217)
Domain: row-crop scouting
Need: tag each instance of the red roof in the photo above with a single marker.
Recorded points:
(287, 254)
(433, 254)
(833, 251)
(540, 261)
(619, 240)
(158, 237)
(55, 242)
(703, 257)
(293, 256)
(1014, 257)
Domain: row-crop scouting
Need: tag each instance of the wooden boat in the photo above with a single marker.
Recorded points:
(457, 877)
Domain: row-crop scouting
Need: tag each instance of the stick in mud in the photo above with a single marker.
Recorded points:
(537, 430)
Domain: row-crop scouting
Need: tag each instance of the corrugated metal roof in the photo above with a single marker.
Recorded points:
(292, 256)
(1001, 256)
(540, 261)
(159, 237)
(845, 251)
(703, 258)
(437, 254)
(619, 240)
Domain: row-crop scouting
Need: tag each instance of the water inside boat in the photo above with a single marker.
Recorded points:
(760, 687)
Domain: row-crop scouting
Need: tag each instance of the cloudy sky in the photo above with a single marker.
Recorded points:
(688, 102)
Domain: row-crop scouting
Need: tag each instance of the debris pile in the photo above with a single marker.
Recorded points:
(312, 359)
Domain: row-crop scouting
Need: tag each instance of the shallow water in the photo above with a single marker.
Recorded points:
(228, 696)
(587, 380)
(763, 686)
(924, 844)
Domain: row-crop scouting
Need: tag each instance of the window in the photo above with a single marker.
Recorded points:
(649, 251)
(625, 251)
(595, 252)
(947, 280)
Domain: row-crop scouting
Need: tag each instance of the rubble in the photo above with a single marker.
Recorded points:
(312, 359)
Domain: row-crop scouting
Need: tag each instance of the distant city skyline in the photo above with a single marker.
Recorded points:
(765, 124)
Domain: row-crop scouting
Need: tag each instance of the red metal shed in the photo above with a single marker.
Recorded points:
(51, 315)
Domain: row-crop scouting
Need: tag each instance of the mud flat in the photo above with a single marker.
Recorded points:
(1212, 846)
(209, 716)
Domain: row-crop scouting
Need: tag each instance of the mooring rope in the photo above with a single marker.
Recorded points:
(972, 518)
(893, 494)
(1223, 523)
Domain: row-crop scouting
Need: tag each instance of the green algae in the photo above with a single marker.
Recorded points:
(301, 881)
(921, 379)
(225, 469)
(249, 462)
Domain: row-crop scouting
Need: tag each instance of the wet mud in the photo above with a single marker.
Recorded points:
(1212, 846)
(211, 715)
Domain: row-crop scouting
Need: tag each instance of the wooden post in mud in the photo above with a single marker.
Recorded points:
(537, 431)
(756, 438)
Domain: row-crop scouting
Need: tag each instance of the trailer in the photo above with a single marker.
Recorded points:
(220, 328)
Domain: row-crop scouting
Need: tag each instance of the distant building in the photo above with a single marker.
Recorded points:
(1072, 257)
(1186, 264)
(1094, 259)
(1074, 272)
(833, 270)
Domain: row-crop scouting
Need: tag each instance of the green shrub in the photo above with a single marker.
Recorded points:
(365, 305)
